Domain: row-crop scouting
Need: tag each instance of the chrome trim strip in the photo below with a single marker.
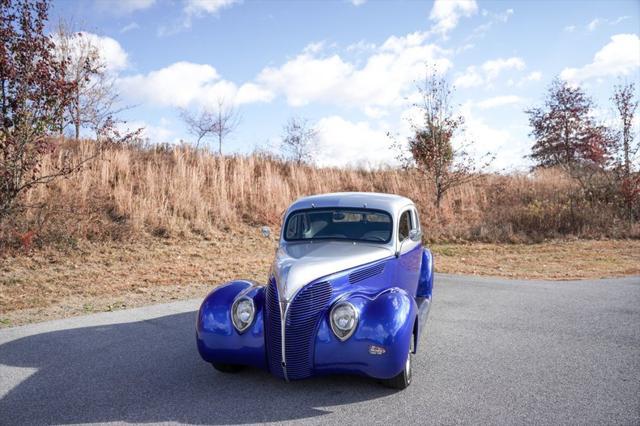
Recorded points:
(284, 310)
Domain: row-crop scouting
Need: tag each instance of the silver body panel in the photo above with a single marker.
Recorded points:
(299, 263)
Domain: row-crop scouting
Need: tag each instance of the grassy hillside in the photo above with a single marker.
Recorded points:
(131, 191)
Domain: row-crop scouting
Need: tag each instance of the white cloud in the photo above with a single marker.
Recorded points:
(129, 27)
(508, 150)
(345, 143)
(358, 2)
(111, 52)
(203, 7)
(447, 13)
(155, 134)
(498, 101)
(488, 72)
(383, 80)
(123, 7)
(184, 83)
(594, 24)
(621, 56)
(570, 28)
(534, 76)
(195, 9)
(493, 18)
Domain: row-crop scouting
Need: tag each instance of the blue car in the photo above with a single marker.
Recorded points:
(348, 293)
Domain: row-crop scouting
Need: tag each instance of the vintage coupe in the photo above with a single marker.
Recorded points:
(348, 292)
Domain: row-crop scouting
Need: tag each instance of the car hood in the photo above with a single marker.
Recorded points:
(297, 264)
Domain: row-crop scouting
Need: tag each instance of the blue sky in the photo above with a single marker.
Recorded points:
(350, 67)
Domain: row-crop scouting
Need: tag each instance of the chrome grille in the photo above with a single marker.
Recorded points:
(303, 315)
(273, 331)
(365, 273)
(300, 330)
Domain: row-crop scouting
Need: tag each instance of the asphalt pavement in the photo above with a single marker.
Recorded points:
(493, 352)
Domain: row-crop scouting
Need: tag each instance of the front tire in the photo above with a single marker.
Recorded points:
(403, 379)
(227, 368)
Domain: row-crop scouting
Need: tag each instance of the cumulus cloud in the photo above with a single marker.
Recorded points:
(111, 52)
(446, 13)
(345, 143)
(508, 149)
(489, 71)
(621, 56)
(498, 101)
(383, 80)
(184, 83)
(154, 133)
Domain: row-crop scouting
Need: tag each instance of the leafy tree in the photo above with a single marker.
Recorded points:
(34, 95)
(565, 131)
(298, 140)
(431, 147)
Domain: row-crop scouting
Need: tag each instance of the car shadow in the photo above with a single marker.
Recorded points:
(150, 371)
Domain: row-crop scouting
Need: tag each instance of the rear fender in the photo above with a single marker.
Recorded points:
(425, 284)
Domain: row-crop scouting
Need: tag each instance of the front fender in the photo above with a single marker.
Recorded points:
(386, 321)
(218, 340)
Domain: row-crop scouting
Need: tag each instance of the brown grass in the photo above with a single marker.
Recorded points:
(104, 276)
(128, 192)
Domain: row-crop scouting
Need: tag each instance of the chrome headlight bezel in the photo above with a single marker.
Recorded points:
(240, 325)
(341, 334)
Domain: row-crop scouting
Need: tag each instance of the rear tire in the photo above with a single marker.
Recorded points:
(227, 368)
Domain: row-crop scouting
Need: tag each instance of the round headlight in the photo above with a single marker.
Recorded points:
(344, 319)
(242, 313)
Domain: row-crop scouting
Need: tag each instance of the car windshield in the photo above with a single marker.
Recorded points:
(338, 224)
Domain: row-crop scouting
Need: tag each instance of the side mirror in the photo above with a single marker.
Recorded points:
(266, 231)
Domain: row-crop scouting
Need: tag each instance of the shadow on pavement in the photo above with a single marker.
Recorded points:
(150, 371)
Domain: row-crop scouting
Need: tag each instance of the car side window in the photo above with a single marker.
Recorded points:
(404, 225)
(416, 220)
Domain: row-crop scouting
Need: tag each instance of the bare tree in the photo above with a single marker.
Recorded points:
(298, 140)
(201, 125)
(626, 104)
(218, 123)
(227, 120)
(95, 98)
(431, 148)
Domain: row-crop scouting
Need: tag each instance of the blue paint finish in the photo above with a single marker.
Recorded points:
(218, 340)
(425, 286)
(386, 321)
(392, 296)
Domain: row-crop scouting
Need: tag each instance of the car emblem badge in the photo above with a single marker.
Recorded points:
(376, 350)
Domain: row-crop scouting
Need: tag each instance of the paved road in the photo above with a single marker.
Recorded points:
(497, 352)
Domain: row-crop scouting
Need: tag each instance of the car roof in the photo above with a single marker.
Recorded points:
(373, 200)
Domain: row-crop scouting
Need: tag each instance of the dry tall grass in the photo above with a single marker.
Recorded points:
(166, 191)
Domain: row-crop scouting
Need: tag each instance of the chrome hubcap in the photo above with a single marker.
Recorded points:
(407, 368)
